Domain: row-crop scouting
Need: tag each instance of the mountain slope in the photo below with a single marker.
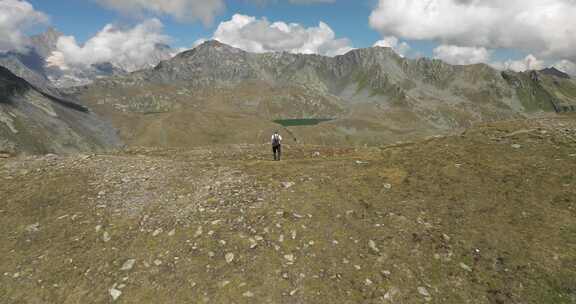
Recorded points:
(32, 121)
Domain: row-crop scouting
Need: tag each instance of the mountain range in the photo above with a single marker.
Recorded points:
(36, 64)
(218, 94)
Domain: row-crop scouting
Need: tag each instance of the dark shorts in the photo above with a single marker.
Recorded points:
(277, 150)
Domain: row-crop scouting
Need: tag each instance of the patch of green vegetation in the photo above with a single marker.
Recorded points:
(564, 90)
(301, 121)
(532, 94)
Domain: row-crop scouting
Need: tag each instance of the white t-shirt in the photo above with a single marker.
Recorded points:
(279, 138)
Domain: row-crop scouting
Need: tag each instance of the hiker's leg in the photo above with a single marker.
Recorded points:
(279, 152)
(274, 152)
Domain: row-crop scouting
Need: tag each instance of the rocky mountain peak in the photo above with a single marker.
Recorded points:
(555, 72)
(211, 48)
(45, 43)
(52, 33)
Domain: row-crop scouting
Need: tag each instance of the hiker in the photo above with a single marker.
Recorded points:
(276, 145)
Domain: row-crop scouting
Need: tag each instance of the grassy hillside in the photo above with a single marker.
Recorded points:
(487, 216)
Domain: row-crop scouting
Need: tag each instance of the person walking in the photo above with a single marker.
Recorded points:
(277, 145)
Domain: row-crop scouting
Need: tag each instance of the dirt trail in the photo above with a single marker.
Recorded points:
(488, 216)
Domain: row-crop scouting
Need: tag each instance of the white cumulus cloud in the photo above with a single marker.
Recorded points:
(546, 28)
(529, 62)
(462, 55)
(260, 35)
(15, 17)
(130, 49)
(181, 10)
(392, 42)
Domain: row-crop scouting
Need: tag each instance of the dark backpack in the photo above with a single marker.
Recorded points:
(276, 140)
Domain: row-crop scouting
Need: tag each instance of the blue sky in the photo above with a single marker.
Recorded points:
(348, 19)
(512, 34)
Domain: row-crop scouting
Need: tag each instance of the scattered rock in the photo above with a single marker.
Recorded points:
(157, 232)
(289, 257)
(373, 246)
(106, 237)
(115, 293)
(198, 232)
(128, 265)
(33, 228)
(229, 257)
(287, 185)
(516, 146)
(423, 291)
(50, 156)
(248, 294)
(391, 293)
(465, 267)
(445, 237)
(387, 186)
(172, 232)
